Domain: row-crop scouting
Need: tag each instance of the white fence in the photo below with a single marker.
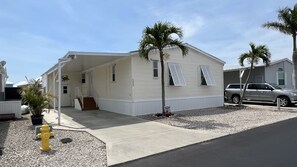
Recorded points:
(11, 107)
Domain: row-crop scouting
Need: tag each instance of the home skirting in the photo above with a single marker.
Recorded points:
(148, 106)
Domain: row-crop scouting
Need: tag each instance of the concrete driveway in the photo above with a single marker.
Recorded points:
(127, 138)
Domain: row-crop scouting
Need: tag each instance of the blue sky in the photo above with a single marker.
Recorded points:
(34, 34)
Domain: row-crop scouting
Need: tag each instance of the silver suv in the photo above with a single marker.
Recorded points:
(261, 92)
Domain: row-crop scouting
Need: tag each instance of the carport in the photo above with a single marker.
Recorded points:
(73, 61)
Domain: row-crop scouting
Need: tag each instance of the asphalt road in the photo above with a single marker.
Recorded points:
(272, 146)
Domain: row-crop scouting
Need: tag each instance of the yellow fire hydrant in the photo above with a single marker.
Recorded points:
(45, 137)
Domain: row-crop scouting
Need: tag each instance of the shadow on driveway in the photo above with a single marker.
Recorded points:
(205, 125)
(98, 119)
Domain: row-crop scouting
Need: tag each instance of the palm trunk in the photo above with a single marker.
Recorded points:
(162, 81)
(294, 42)
(245, 85)
(294, 58)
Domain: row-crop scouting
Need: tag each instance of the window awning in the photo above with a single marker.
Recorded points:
(207, 75)
(176, 74)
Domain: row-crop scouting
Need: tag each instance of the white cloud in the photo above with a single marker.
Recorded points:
(190, 25)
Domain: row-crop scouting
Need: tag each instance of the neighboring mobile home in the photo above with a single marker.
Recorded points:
(3, 77)
(125, 83)
(279, 72)
(9, 107)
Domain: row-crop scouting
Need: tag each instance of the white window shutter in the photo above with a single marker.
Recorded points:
(176, 74)
(208, 75)
(180, 74)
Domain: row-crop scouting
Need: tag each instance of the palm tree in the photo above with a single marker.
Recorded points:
(253, 56)
(36, 100)
(288, 25)
(158, 37)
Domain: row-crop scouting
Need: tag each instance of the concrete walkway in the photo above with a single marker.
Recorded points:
(127, 138)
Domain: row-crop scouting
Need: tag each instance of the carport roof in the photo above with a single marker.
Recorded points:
(82, 61)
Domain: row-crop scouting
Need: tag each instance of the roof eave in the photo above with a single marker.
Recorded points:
(205, 53)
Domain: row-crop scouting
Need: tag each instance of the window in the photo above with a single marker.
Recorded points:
(155, 68)
(83, 78)
(252, 86)
(176, 77)
(113, 72)
(235, 86)
(65, 91)
(206, 75)
(280, 75)
(259, 87)
(264, 87)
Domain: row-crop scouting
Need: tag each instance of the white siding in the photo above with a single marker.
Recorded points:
(147, 87)
(44, 81)
(270, 73)
(119, 90)
(74, 81)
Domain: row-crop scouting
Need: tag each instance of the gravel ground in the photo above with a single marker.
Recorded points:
(20, 149)
(227, 120)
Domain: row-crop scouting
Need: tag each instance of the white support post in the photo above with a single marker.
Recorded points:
(54, 90)
(59, 92)
(61, 64)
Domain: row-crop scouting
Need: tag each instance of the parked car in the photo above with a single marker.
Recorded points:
(261, 92)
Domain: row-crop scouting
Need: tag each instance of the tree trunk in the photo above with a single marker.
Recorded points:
(162, 81)
(245, 85)
(294, 42)
(294, 58)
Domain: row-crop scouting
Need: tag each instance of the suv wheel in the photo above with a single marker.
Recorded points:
(235, 99)
(284, 101)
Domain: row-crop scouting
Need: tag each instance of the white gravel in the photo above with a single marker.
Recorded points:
(20, 148)
(226, 120)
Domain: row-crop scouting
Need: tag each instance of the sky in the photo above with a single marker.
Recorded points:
(35, 34)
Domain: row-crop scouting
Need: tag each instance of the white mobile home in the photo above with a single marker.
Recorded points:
(125, 83)
(8, 107)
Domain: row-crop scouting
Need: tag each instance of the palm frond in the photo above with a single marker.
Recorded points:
(242, 57)
(277, 26)
(159, 37)
(180, 45)
(287, 21)
(255, 54)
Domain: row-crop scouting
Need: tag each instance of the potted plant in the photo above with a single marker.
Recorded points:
(36, 100)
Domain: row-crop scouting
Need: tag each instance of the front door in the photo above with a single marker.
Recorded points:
(65, 96)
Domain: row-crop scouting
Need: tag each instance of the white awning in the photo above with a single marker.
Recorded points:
(208, 75)
(176, 74)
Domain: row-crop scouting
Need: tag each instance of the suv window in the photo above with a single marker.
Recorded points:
(259, 86)
(235, 86)
(252, 86)
(264, 87)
